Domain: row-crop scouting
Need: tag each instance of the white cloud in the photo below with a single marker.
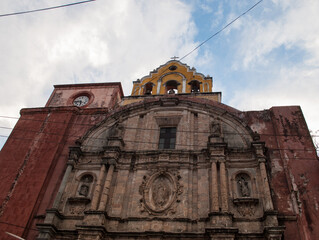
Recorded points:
(101, 41)
(296, 25)
(291, 80)
(292, 86)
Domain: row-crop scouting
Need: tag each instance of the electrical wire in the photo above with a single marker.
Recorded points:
(15, 225)
(45, 9)
(50, 142)
(150, 129)
(222, 29)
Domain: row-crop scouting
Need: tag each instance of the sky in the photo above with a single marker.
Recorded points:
(268, 57)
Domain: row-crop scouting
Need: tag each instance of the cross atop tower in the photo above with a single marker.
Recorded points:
(174, 58)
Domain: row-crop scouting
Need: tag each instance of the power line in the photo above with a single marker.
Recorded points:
(147, 129)
(15, 225)
(222, 29)
(144, 129)
(141, 142)
(45, 9)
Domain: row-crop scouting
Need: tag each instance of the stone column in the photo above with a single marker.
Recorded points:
(268, 201)
(223, 187)
(74, 155)
(159, 83)
(98, 188)
(214, 188)
(107, 184)
(62, 186)
(184, 85)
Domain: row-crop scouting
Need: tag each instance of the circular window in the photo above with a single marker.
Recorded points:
(172, 68)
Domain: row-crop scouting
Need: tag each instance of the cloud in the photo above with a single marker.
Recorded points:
(283, 45)
(103, 41)
(295, 25)
(292, 86)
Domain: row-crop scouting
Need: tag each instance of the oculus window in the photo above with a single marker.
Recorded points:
(167, 138)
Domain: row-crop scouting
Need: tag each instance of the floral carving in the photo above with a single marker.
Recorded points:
(160, 192)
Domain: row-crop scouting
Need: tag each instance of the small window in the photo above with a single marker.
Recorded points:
(167, 138)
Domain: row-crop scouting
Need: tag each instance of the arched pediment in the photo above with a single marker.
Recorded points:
(193, 120)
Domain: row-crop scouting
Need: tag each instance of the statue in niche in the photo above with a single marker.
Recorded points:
(215, 129)
(243, 187)
(84, 190)
(160, 193)
(86, 182)
(116, 130)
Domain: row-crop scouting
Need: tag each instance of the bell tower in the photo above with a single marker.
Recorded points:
(173, 77)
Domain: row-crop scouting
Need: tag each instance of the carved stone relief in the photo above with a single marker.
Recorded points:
(160, 192)
(77, 206)
(76, 209)
(215, 129)
(246, 207)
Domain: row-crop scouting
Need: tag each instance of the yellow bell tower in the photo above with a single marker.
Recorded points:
(173, 77)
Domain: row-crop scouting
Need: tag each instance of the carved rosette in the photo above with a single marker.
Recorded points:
(160, 192)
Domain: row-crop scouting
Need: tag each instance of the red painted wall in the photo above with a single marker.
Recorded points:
(33, 160)
(294, 168)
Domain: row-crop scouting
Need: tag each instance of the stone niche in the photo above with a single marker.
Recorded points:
(77, 204)
(245, 200)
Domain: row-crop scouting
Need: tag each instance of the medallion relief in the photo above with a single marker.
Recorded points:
(160, 192)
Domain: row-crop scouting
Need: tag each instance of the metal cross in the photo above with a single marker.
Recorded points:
(174, 58)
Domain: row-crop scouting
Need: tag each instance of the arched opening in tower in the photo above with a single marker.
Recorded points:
(148, 88)
(195, 86)
(171, 87)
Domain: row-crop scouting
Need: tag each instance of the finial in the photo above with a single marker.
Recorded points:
(174, 58)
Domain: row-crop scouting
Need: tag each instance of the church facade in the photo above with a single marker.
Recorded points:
(168, 162)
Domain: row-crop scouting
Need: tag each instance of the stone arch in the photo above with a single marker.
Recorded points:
(148, 88)
(171, 86)
(195, 86)
(181, 82)
(234, 131)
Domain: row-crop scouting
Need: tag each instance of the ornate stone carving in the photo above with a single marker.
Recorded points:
(215, 129)
(160, 192)
(246, 207)
(77, 205)
(117, 130)
(76, 209)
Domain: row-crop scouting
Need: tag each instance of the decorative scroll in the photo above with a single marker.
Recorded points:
(160, 192)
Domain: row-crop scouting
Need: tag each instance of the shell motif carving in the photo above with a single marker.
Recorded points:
(160, 192)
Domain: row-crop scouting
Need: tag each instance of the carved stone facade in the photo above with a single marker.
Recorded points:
(213, 185)
(163, 165)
